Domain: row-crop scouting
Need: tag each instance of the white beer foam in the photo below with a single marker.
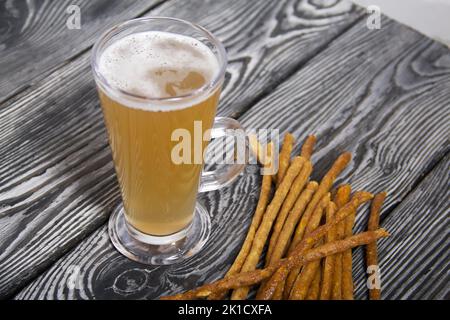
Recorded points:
(130, 64)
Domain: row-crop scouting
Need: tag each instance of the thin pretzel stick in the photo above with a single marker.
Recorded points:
(371, 249)
(255, 145)
(282, 272)
(328, 264)
(308, 147)
(324, 187)
(232, 282)
(285, 156)
(309, 240)
(300, 282)
(264, 156)
(341, 198)
(336, 292)
(292, 220)
(314, 290)
(289, 202)
(257, 149)
(256, 276)
(307, 150)
(278, 294)
(347, 264)
(297, 187)
(304, 280)
(266, 224)
(256, 220)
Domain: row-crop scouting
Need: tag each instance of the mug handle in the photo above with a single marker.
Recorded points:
(225, 175)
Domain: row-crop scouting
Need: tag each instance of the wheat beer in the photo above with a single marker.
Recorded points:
(158, 195)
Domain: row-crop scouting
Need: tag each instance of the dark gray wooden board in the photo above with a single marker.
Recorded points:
(381, 94)
(35, 40)
(419, 247)
(57, 182)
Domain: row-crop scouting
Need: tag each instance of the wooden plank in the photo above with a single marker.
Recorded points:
(133, 280)
(383, 95)
(265, 43)
(420, 270)
(414, 262)
(57, 182)
(36, 40)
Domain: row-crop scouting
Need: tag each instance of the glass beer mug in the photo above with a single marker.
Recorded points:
(159, 81)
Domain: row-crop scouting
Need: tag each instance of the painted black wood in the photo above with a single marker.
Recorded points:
(415, 261)
(381, 94)
(57, 182)
(35, 39)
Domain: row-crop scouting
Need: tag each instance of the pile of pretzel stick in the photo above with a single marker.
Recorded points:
(307, 230)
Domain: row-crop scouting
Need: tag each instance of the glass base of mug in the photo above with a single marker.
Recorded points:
(156, 250)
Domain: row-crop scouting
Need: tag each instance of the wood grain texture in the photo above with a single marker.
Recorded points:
(383, 95)
(57, 182)
(265, 41)
(414, 262)
(229, 210)
(35, 40)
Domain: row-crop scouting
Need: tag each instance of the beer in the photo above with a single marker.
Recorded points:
(159, 195)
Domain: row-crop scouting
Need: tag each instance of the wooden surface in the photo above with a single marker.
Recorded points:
(62, 186)
(300, 66)
(420, 230)
(35, 40)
